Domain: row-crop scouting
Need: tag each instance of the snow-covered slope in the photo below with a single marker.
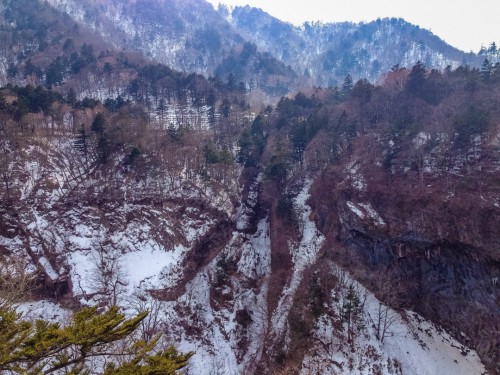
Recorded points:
(222, 312)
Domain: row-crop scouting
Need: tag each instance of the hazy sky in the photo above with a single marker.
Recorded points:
(463, 24)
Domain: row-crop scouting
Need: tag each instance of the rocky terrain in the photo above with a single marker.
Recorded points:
(345, 229)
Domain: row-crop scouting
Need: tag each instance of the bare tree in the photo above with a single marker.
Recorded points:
(9, 150)
(385, 317)
(108, 276)
(151, 326)
(16, 280)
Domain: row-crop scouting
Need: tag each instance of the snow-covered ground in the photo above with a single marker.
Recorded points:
(411, 346)
(303, 255)
(43, 309)
(226, 324)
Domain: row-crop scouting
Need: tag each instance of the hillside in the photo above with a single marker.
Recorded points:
(346, 229)
(328, 52)
(259, 51)
(257, 228)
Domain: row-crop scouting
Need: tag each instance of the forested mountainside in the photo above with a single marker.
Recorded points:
(186, 35)
(328, 52)
(325, 234)
(349, 228)
(262, 52)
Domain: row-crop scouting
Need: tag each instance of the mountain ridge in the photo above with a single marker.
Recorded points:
(202, 30)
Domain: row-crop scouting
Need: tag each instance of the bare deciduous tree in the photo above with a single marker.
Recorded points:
(385, 317)
(16, 280)
(108, 277)
(151, 326)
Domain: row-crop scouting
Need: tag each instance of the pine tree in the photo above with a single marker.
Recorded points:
(81, 143)
(347, 86)
(416, 79)
(44, 348)
(486, 70)
(99, 123)
(103, 142)
(71, 98)
(352, 311)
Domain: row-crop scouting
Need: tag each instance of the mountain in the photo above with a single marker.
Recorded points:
(347, 229)
(185, 35)
(328, 52)
(192, 36)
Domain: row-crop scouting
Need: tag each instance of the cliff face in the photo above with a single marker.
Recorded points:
(432, 264)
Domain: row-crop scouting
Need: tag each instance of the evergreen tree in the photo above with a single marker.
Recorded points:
(71, 98)
(352, 311)
(103, 142)
(99, 123)
(43, 348)
(486, 70)
(81, 143)
(55, 72)
(416, 80)
(347, 86)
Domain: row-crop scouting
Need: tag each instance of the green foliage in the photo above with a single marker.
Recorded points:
(34, 99)
(164, 363)
(473, 121)
(352, 310)
(277, 170)
(207, 40)
(285, 209)
(330, 61)
(133, 156)
(12, 70)
(347, 86)
(99, 123)
(245, 154)
(99, 126)
(87, 103)
(486, 70)
(30, 69)
(81, 142)
(114, 105)
(416, 79)
(42, 348)
(214, 155)
(429, 86)
(71, 97)
(302, 132)
(252, 142)
(103, 148)
(317, 295)
(224, 267)
(56, 72)
(362, 90)
(225, 107)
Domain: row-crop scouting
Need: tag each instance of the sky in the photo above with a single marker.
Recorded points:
(464, 24)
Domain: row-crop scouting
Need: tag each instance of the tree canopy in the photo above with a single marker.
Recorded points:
(92, 339)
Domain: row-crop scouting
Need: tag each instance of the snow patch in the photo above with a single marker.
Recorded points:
(303, 255)
(356, 210)
(43, 309)
(373, 214)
